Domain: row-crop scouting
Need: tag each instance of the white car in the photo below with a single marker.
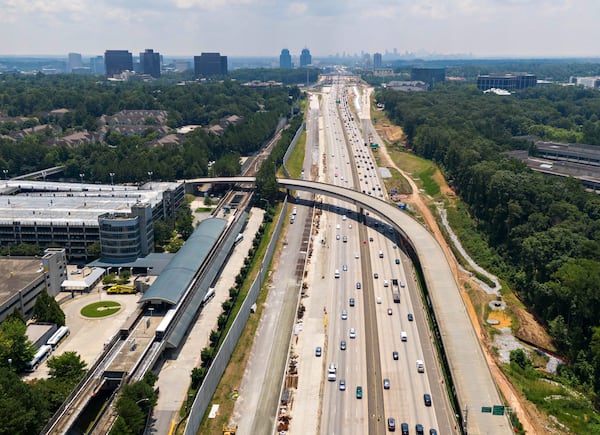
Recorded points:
(344, 315)
(352, 333)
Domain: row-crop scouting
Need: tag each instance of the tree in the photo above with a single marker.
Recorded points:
(519, 357)
(267, 187)
(14, 345)
(46, 309)
(67, 367)
(21, 410)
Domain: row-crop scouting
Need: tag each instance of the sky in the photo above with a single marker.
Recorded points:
(481, 28)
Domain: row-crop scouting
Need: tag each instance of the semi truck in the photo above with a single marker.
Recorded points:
(395, 291)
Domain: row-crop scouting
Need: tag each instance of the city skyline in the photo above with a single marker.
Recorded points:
(483, 28)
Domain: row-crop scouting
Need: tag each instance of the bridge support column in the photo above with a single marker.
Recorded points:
(361, 215)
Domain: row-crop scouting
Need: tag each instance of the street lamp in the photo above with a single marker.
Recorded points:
(81, 175)
(5, 173)
(10, 364)
(112, 178)
(150, 177)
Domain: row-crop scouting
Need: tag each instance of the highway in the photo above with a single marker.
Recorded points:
(472, 381)
(366, 360)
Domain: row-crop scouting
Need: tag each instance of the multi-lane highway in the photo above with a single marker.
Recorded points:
(376, 360)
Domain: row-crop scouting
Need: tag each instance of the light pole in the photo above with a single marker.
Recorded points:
(150, 177)
(10, 364)
(81, 175)
(5, 173)
(112, 178)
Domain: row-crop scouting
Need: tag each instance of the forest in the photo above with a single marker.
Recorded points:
(128, 157)
(545, 231)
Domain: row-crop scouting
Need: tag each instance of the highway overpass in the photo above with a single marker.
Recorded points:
(473, 382)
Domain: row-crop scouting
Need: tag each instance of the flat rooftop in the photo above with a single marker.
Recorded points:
(17, 273)
(46, 203)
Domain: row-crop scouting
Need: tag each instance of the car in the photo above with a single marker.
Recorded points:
(358, 285)
(318, 351)
(419, 429)
(389, 311)
(350, 226)
(359, 392)
(345, 239)
(352, 333)
(351, 302)
(344, 315)
(344, 217)
(356, 255)
(376, 275)
(343, 345)
(386, 283)
(410, 317)
(370, 239)
(391, 423)
(386, 384)
(432, 432)
(395, 355)
(338, 226)
(378, 299)
(345, 267)
(427, 399)
(337, 237)
(404, 428)
(342, 385)
(397, 261)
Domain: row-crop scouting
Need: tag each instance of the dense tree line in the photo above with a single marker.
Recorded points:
(286, 76)
(545, 230)
(128, 157)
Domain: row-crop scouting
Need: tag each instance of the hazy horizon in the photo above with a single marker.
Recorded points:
(261, 28)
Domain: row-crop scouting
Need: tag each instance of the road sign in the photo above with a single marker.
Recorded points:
(486, 409)
(498, 410)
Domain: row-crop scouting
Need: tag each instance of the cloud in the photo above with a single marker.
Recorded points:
(297, 8)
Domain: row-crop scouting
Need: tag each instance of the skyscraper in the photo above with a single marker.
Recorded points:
(74, 61)
(150, 63)
(97, 65)
(285, 59)
(305, 57)
(377, 60)
(210, 64)
(117, 61)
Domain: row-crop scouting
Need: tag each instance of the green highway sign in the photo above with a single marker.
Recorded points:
(498, 410)
(486, 409)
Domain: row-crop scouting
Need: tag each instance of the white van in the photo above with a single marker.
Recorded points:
(403, 336)
(331, 372)
(336, 274)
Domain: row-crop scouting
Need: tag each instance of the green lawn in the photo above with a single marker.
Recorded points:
(100, 309)
(296, 160)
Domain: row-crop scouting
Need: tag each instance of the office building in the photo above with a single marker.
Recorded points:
(97, 65)
(150, 63)
(305, 57)
(377, 60)
(117, 61)
(74, 61)
(508, 82)
(285, 59)
(26, 277)
(430, 76)
(210, 64)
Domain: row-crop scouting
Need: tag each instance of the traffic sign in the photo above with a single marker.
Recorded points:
(486, 409)
(498, 410)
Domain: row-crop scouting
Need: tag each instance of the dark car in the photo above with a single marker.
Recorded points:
(318, 351)
(391, 424)
(397, 261)
(432, 432)
(404, 427)
(359, 392)
(419, 429)
(351, 302)
(395, 355)
(386, 383)
(410, 317)
(427, 399)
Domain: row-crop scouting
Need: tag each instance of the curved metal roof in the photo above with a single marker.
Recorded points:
(177, 276)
